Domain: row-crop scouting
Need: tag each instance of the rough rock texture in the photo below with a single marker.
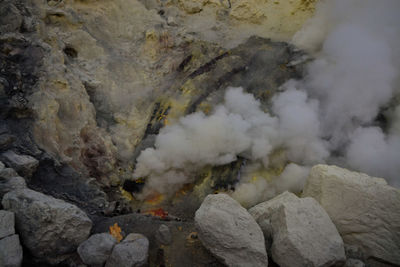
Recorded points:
(131, 252)
(301, 231)
(25, 165)
(262, 214)
(354, 263)
(7, 221)
(48, 227)
(230, 233)
(163, 235)
(365, 210)
(10, 182)
(97, 249)
(10, 252)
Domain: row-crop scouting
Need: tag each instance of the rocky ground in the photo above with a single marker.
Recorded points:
(86, 85)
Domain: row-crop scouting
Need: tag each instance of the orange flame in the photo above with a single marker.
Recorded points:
(115, 231)
(157, 212)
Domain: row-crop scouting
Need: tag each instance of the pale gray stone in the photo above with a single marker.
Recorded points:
(304, 235)
(131, 252)
(10, 252)
(365, 210)
(229, 232)
(97, 249)
(48, 227)
(7, 223)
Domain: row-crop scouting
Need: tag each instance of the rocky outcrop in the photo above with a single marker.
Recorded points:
(49, 227)
(131, 252)
(25, 165)
(229, 232)
(365, 210)
(96, 250)
(301, 231)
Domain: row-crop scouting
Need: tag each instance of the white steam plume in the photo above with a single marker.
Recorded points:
(354, 75)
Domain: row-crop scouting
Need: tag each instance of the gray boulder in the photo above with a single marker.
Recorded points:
(7, 222)
(96, 250)
(163, 235)
(25, 165)
(354, 263)
(48, 227)
(230, 233)
(131, 252)
(365, 210)
(10, 252)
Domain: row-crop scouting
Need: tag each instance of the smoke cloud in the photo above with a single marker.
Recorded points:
(329, 116)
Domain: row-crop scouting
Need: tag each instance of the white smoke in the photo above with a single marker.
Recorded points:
(354, 75)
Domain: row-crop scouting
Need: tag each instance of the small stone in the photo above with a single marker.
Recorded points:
(10, 251)
(163, 235)
(7, 222)
(9, 180)
(97, 249)
(354, 263)
(25, 165)
(171, 21)
(131, 252)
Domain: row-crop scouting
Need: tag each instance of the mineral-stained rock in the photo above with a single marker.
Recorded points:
(25, 165)
(97, 249)
(10, 252)
(163, 235)
(48, 227)
(230, 233)
(7, 222)
(365, 210)
(131, 252)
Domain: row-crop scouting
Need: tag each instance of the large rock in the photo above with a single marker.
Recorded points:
(163, 235)
(230, 233)
(365, 210)
(262, 214)
(7, 222)
(25, 165)
(10, 252)
(9, 180)
(131, 252)
(301, 231)
(48, 227)
(97, 249)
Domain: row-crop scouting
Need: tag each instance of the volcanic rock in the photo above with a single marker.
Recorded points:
(97, 249)
(10, 252)
(230, 233)
(131, 252)
(365, 210)
(48, 227)
(7, 222)
(25, 165)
